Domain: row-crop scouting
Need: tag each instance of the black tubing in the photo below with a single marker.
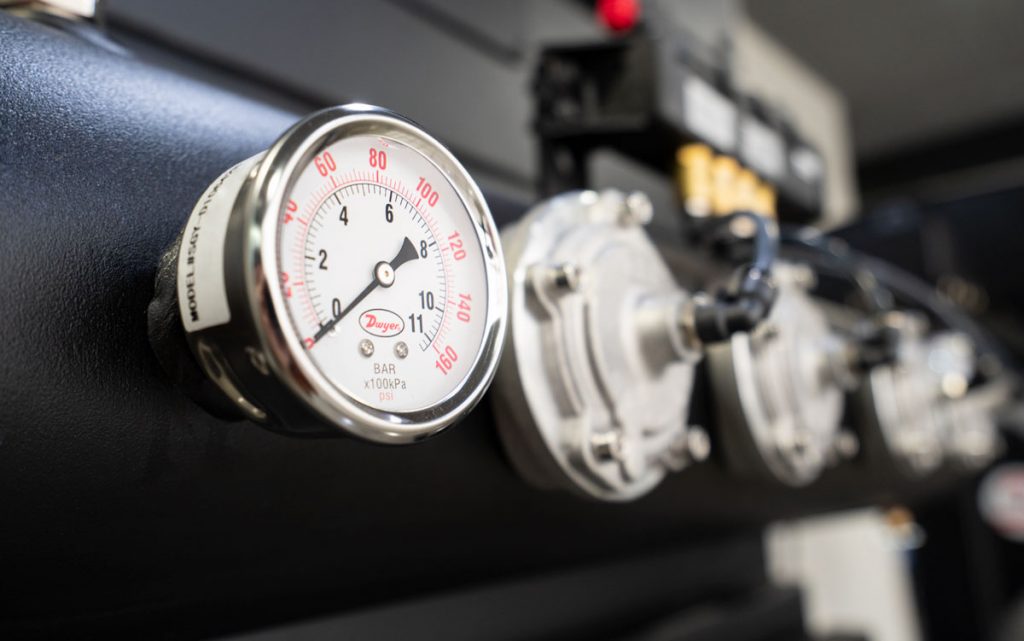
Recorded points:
(882, 284)
(748, 299)
(833, 256)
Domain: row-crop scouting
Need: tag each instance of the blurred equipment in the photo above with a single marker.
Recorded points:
(732, 152)
(778, 388)
(852, 570)
(900, 401)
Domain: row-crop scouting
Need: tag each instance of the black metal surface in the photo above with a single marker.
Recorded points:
(612, 600)
(767, 614)
(969, 580)
(442, 60)
(127, 507)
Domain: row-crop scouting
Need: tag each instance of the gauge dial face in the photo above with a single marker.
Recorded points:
(382, 274)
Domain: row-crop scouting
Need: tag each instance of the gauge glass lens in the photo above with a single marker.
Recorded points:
(382, 274)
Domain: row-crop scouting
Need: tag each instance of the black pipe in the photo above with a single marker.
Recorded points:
(748, 299)
(832, 256)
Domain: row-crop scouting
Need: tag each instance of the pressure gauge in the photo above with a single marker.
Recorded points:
(778, 396)
(349, 279)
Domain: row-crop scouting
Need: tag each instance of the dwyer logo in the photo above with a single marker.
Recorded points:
(381, 322)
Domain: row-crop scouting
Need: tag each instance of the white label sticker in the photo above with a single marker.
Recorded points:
(202, 296)
(762, 148)
(709, 114)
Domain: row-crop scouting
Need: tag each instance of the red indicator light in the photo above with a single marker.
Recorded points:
(619, 15)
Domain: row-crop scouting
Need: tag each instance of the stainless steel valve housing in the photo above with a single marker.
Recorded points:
(594, 389)
(901, 403)
(779, 401)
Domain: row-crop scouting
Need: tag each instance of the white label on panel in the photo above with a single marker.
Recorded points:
(709, 114)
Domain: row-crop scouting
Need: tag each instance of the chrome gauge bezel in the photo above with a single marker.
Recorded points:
(260, 204)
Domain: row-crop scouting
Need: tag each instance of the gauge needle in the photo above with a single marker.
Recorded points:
(383, 276)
